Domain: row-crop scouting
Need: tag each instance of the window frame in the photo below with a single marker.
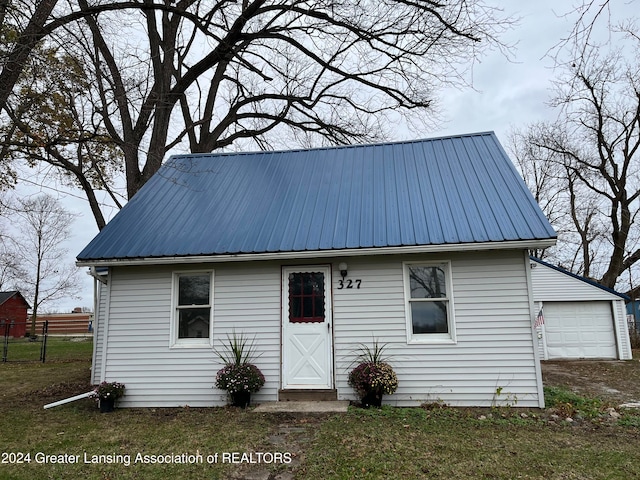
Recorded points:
(433, 338)
(174, 341)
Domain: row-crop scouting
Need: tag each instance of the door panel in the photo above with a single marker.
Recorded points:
(579, 330)
(307, 356)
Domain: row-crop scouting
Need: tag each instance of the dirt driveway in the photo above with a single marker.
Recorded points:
(615, 381)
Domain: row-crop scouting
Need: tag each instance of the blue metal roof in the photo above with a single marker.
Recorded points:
(451, 190)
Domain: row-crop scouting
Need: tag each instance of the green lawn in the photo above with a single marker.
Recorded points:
(58, 349)
(393, 443)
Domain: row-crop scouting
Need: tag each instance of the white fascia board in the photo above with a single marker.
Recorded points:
(347, 252)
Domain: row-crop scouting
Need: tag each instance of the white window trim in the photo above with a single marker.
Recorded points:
(174, 341)
(430, 338)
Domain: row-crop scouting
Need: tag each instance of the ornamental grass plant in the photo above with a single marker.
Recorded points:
(373, 377)
(237, 350)
(238, 374)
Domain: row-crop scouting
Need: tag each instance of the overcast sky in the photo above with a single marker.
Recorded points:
(507, 94)
(512, 92)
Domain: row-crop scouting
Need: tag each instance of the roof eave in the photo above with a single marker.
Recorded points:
(306, 254)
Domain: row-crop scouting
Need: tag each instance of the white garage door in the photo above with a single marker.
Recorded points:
(579, 330)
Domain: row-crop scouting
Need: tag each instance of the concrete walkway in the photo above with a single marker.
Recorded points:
(308, 407)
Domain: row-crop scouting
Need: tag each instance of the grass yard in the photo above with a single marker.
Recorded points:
(390, 443)
(63, 348)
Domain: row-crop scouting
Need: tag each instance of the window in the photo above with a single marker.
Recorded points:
(192, 322)
(429, 306)
(306, 297)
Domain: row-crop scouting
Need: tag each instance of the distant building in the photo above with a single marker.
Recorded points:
(13, 314)
(75, 323)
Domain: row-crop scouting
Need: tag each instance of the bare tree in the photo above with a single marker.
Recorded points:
(569, 205)
(588, 15)
(11, 271)
(43, 225)
(595, 145)
(205, 76)
(25, 26)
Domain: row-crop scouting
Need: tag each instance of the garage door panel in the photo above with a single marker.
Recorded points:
(579, 330)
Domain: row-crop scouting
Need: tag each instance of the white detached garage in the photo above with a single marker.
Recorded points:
(582, 319)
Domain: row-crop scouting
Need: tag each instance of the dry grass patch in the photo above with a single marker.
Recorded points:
(449, 443)
(416, 443)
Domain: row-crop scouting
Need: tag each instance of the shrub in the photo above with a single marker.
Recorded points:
(373, 377)
(106, 390)
(240, 378)
(567, 403)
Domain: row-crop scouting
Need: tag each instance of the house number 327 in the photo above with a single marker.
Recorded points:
(348, 283)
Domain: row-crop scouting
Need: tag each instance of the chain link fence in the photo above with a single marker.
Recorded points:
(51, 341)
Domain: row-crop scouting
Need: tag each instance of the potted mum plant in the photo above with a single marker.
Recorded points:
(106, 394)
(239, 377)
(373, 377)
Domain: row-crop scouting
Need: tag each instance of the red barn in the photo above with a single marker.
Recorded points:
(13, 312)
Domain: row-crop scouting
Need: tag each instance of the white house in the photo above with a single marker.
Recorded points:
(420, 244)
(579, 318)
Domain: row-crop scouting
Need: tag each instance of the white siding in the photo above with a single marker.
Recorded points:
(550, 285)
(246, 299)
(102, 294)
(540, 334)
(494, 348)
(622, 330)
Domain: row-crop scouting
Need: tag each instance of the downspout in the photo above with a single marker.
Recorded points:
(105, 330)
(96, 300)
(100, 278)
(96, 318)
(68, 400)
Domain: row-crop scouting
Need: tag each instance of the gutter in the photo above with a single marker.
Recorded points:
(297, 255)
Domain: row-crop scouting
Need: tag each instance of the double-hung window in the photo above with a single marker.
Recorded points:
(192, 320)
(429, 303)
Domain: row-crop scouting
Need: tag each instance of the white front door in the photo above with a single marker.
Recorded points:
(307, 349)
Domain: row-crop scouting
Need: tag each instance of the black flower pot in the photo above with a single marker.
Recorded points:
(107, 405)
(372, 399)
(240, 399)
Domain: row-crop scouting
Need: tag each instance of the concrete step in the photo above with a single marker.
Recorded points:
(303, 407)
(301, 395)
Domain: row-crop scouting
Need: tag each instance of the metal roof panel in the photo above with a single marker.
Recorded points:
(460, 189)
